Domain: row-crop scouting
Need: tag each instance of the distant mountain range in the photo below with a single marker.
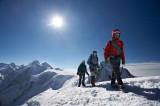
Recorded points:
(18, 81)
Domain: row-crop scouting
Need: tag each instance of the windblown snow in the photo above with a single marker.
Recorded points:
(38, 84)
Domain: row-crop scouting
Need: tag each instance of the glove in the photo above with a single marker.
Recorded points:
(123, 62)
(77, 73)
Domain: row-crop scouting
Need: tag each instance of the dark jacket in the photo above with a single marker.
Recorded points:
(82, 69)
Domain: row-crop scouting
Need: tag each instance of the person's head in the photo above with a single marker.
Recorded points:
(116, 34)
(83, 61)
(94, 53)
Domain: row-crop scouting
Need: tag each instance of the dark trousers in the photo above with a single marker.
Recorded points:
(81, 80)
(116, 75)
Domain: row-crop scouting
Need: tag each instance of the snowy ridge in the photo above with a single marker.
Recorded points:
(26, 85)
(27, 81)
(36, 67)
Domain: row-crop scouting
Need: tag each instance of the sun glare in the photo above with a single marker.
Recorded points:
(57, 21)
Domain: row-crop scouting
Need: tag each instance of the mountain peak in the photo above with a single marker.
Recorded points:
(35, 62)
(13, 66)
(45, 64)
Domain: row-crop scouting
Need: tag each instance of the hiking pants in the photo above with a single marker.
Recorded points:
(116, 75)
(81, 79)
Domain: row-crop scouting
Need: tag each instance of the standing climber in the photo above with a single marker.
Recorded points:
(113, 53)
(93, 66)
(82, 69)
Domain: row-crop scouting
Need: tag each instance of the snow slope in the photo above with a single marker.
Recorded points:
(19, 84)
(21, 87)
(143, 91)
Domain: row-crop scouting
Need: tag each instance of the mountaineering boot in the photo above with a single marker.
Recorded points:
(83, 84)
(93, 83)
(122, 88)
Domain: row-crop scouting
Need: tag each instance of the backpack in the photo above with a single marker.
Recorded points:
(92, 57)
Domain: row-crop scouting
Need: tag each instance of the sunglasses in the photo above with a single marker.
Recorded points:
(116, 32)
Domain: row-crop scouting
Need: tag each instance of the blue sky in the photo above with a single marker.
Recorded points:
(25, 35)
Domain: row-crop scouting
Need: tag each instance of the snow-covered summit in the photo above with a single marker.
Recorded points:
(5, 66)
(14, 66)
(45, 64)
(34, 63)
(38, 67)
(5, 69)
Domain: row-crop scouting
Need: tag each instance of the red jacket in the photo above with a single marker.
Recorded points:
(111, 50)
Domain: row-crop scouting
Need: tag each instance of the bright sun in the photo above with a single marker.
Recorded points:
(57, 21)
